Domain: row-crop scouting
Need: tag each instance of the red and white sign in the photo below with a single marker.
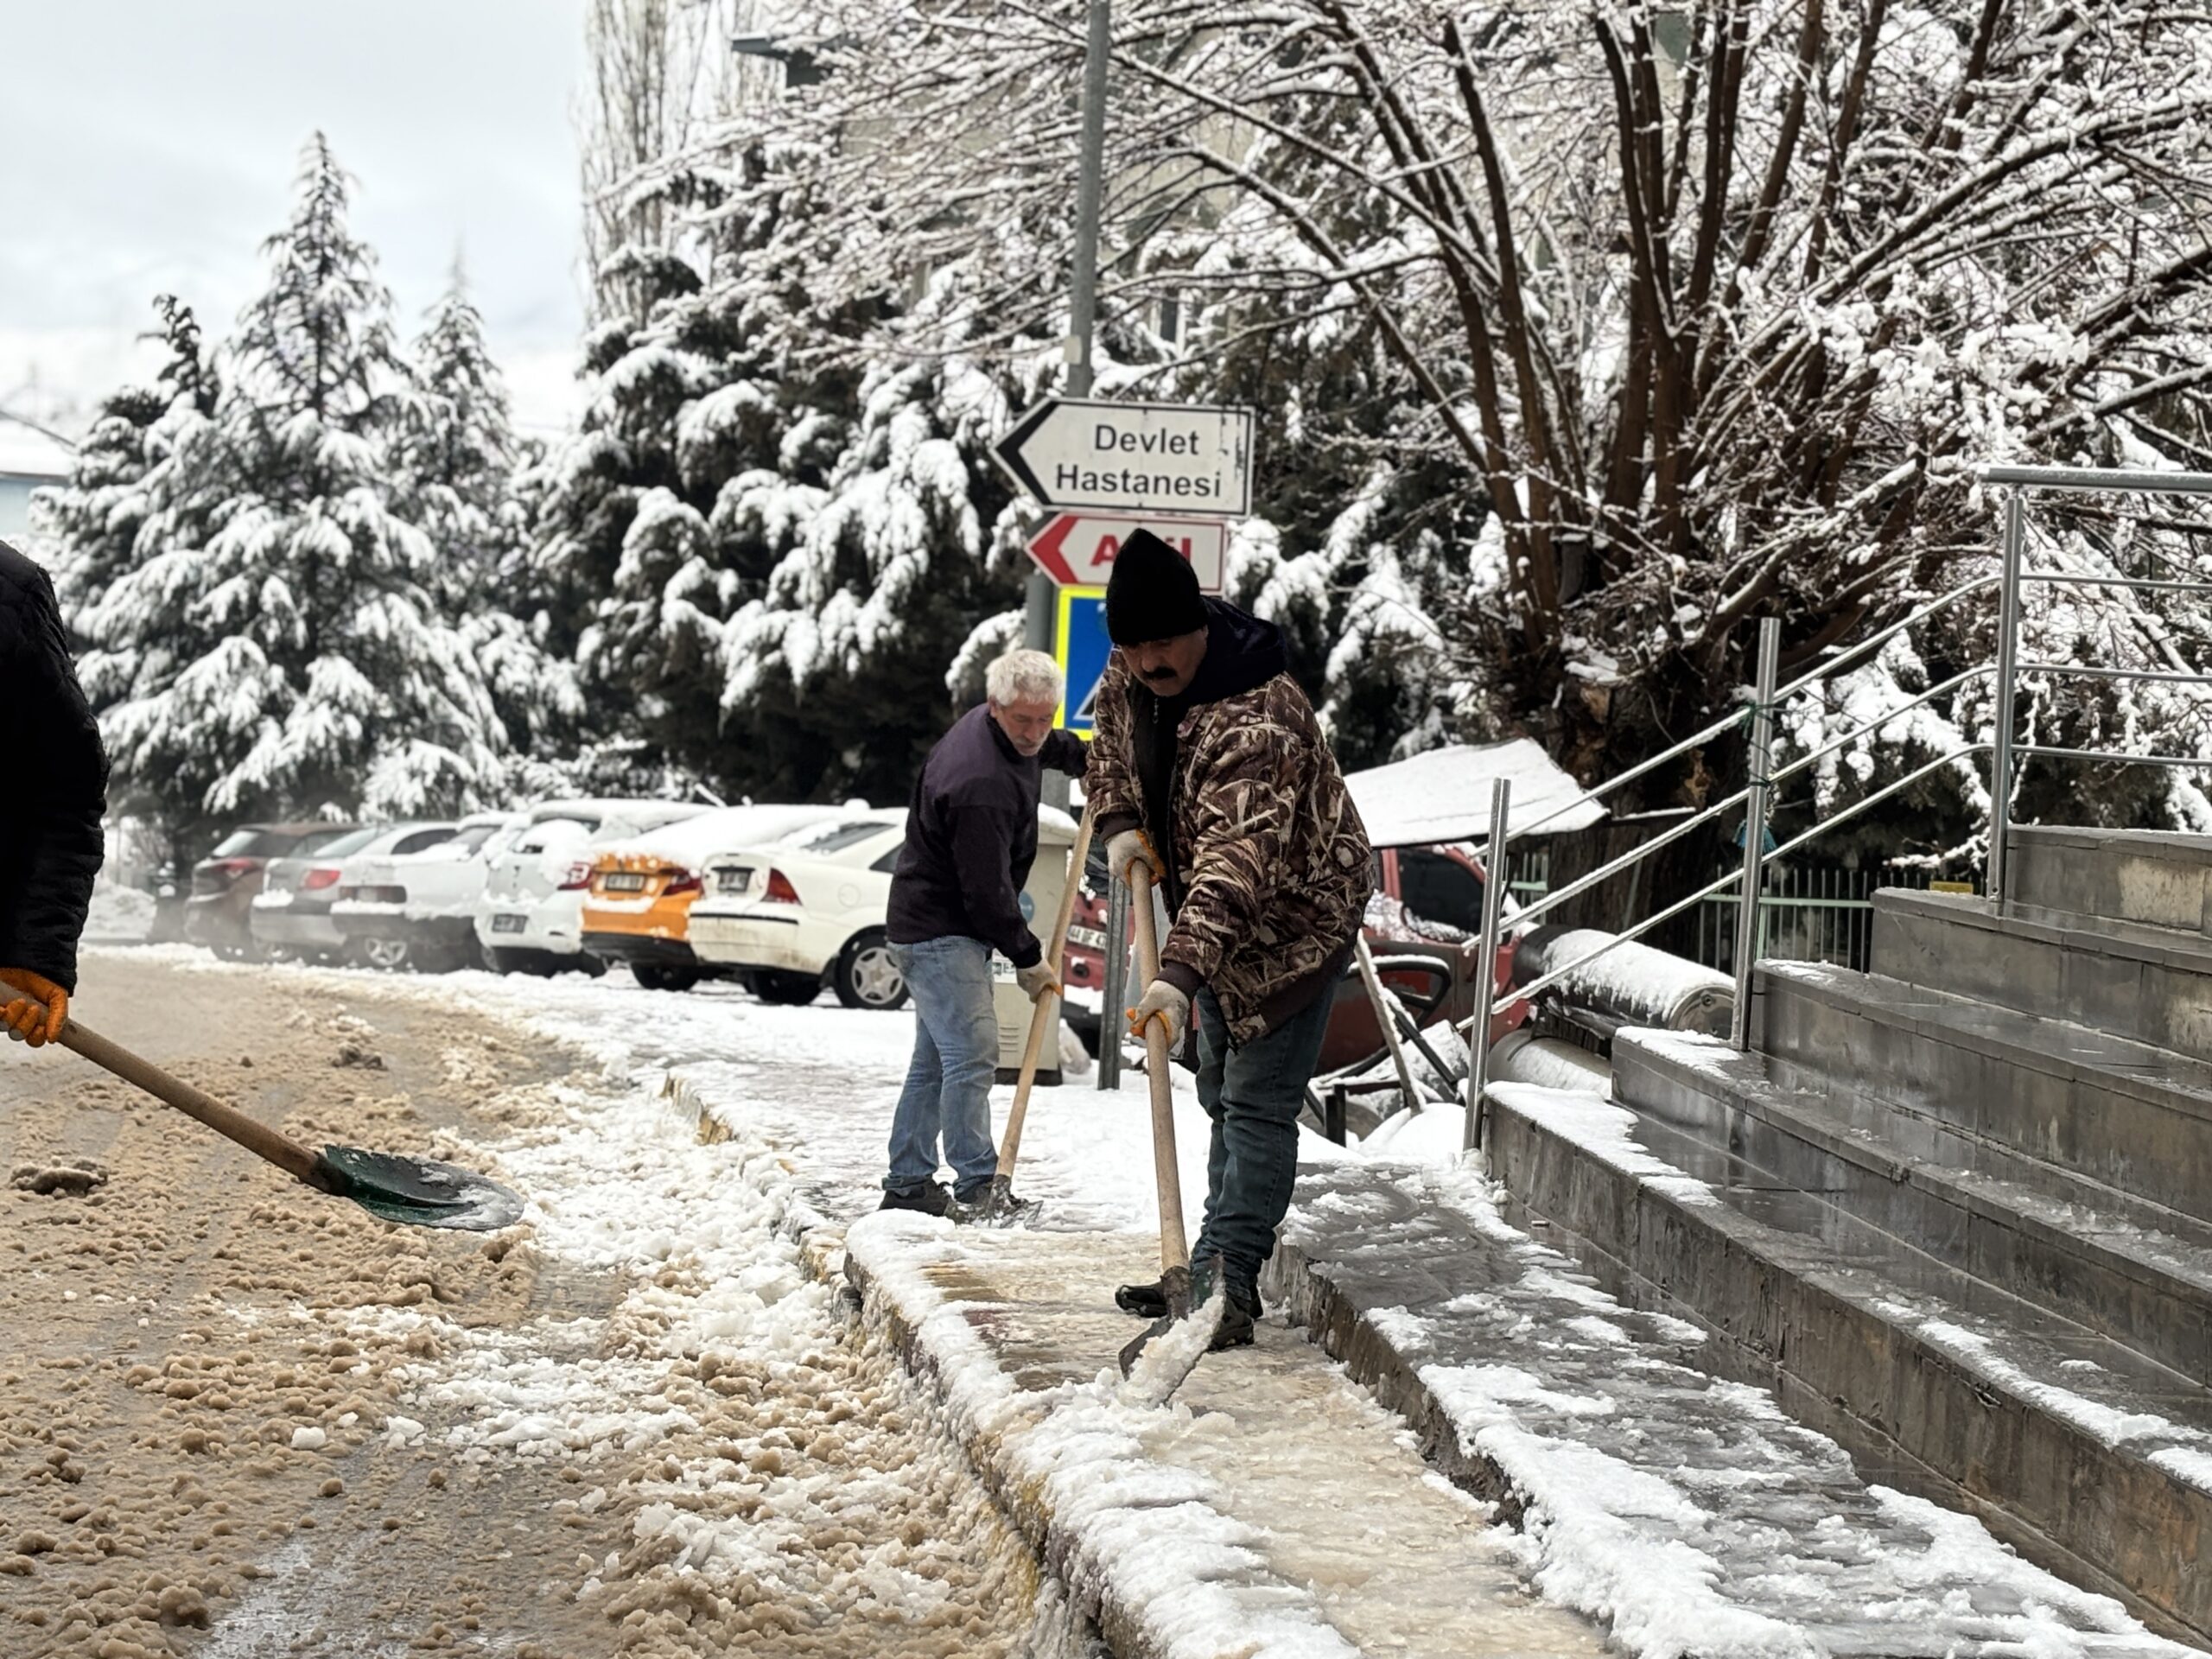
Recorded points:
(1078, 550)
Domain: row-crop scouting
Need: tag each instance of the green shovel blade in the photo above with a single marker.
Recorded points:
(418, 1192)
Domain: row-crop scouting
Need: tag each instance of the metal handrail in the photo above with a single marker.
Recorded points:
(1536, 988)
(1763, 777)
(1827, 670)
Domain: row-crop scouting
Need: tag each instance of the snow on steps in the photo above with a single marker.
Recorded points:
(1272, 1511)
(1687, 1510)
(2074, 1449)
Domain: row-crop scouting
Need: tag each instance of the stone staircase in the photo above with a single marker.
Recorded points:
(1957, 1211)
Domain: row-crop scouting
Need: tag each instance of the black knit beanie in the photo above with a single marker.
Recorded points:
(1153, 594)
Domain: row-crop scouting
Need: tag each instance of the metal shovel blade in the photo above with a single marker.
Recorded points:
(418, 1192)
(1000, 1208)
(1176, 1283)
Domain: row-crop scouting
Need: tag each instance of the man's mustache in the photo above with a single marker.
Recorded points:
(1157, 674)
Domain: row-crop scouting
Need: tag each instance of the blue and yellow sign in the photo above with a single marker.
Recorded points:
(1081, 648)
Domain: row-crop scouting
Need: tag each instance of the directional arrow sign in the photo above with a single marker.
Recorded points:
(1133, 458)
(1078, 549)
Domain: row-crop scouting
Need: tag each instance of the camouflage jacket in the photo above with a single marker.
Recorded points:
(1274, 862)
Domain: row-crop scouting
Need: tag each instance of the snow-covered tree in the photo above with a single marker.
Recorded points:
(280, 646)
(94, 519)
(1582, 340)
(454, 451)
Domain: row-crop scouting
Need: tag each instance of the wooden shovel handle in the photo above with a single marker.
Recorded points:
(1047, 1015)
(1174, 1244)
(258, 1138)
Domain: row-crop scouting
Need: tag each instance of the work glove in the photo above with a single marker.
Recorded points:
(1164, 1002)
(37, 1011)
(1126, 848)
(1037, 979)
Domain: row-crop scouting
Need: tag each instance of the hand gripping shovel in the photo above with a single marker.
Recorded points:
(1168, 1348)
(417, 1191)
(999, 1207)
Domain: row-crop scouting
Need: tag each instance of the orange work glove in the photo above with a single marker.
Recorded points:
(36, 1014)
(1125, 848)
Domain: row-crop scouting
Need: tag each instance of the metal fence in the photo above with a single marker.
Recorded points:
(1807, 913)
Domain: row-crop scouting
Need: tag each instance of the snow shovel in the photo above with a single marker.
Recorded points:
(999, 1207)
(1167, 1353)
(419, 1191)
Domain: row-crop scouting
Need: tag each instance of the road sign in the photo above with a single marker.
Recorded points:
(1078, 549)
(1133, 458)
(1081, 647)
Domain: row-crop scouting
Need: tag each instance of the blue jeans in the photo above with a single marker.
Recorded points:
(949, 1081)
(1253, 1094)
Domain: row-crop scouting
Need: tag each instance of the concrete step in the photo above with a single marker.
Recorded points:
(2134, 979)
(2150, 876)
(2129, 1116)
(2136, 1272)
(2082, 1454)
(1650, 1481)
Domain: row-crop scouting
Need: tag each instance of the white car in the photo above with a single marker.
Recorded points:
(290, 915)
(417, 909)
(789, 913)
(529, 918)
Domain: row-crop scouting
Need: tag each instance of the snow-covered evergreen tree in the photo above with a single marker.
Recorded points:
(281, 646)
(94, 519)
(455, 452)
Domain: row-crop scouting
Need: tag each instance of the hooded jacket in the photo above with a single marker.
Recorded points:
(51, 843)
(1269, 868)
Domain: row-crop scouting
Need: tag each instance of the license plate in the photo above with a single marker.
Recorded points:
(1090, 937)
(624, 881)
(506, 924)
(732, 881)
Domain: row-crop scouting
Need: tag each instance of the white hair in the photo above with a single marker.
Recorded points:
(1023, 676)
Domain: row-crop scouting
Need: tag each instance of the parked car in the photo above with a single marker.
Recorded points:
(291, 913)
(289, 917)
(789, 914)
(416, 907)
(529, 917)
(218, 913)
(1428, 904)
(637, 909)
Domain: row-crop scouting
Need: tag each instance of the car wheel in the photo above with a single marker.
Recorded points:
(500, 961)
(787, 989)
(657, 977)
(866, 976)
(391, 955)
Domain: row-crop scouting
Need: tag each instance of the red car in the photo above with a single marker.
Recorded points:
(1428, 904)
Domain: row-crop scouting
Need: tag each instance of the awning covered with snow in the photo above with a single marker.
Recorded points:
(1444, 794)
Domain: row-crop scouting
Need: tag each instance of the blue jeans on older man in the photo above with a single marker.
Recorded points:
(949, 1080)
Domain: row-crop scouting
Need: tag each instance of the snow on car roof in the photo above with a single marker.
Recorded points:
(1444, 794)
(696, 840)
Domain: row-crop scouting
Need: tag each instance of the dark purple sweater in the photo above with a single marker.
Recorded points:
(971, 836)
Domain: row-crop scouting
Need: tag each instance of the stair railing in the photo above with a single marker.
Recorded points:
(1763, 779)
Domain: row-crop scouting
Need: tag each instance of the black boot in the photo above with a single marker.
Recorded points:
(1145, 1301)
(1240, 1307)
(930, 1198)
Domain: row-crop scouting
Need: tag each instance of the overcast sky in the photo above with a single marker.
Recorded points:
(149, 146)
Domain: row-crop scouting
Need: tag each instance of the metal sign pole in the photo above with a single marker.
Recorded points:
(1116, 988)
(1758, 772)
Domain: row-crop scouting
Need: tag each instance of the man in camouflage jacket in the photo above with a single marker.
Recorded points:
(1209, 765)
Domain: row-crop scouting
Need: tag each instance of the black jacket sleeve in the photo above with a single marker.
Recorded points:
(982, 851)
(50, 837)
(1065, 752)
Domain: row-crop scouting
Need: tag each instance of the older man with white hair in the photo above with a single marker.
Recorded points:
(955, 896)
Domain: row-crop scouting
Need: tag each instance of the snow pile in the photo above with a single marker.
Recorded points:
(692, 841)
(118, 914)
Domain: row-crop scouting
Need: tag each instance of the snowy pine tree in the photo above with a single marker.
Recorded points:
(94, 520)
(281, 647)
(455, 452)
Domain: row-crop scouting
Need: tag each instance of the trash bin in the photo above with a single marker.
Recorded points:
(1040, 905)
